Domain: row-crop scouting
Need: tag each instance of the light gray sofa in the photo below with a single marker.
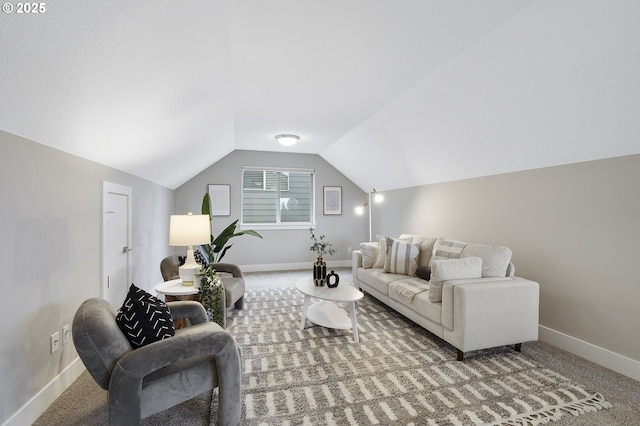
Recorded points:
(483, 304)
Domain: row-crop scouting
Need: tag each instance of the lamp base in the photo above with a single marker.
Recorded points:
(188, 272)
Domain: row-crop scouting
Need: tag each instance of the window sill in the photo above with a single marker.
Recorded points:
(275, 227)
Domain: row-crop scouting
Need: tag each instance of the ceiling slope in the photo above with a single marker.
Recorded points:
(557, 83)
(163, 90)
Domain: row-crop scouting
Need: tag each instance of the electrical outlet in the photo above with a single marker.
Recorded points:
(66, 334)
(349, 249)
(55, 342)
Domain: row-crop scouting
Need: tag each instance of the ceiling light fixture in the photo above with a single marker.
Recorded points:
(287, 140)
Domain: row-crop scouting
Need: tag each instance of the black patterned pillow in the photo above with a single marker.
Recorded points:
(144, 318)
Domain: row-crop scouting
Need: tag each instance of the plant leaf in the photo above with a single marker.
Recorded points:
(206, 205)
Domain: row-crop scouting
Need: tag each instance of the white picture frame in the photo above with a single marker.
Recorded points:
(220, 199)
(332, 200)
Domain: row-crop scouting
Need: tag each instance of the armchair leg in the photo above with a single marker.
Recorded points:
(460, 355)
(239, 304)
(518, 347)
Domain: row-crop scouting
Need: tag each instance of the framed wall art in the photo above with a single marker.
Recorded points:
(332, 203)
(220, 200)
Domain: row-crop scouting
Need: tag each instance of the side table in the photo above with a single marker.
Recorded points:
(174, 290)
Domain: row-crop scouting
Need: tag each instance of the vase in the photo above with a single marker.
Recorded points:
(319, 271)
(332, 280)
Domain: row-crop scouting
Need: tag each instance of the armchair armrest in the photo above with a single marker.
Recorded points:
(190, 309)
(229, 268)
(198, 340)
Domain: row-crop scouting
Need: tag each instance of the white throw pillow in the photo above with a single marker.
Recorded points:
(495, 259)
(369, 254)
(402, 258)
(451, 269)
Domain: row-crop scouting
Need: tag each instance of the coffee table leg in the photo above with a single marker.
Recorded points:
(305, 308)
(354, 322)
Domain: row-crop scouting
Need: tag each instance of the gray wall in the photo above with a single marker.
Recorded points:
(279, 247)
(51, 254)
(575, 229)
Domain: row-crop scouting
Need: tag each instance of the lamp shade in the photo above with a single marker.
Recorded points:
(189, 230)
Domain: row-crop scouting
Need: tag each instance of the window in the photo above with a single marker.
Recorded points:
(277, 198)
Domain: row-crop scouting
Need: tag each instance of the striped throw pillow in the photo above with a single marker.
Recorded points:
(402, 257)
(447, 249)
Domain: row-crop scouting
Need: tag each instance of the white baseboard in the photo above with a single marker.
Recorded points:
(37, 405)
(292, 266)
(601, 356)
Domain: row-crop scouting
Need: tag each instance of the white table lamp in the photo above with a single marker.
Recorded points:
(189, 230)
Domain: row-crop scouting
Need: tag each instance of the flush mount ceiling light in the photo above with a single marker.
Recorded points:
(287, 140)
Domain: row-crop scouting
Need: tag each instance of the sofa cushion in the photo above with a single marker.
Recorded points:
(378, 279)
(426, 247)
(422, 305)
(451, 269)
(402, 258)
(406, 289)
(495, 259)
(144, 319)
(369, 254)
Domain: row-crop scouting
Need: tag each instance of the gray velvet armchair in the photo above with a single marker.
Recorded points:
(157, 376)
(233, 280)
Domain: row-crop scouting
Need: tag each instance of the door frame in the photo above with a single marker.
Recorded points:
(114, 188)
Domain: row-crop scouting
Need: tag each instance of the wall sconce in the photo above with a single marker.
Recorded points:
(287, 140)
(376, 197)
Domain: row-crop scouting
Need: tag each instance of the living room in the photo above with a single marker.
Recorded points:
(571, 223)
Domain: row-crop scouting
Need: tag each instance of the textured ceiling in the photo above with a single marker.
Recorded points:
(436, 90)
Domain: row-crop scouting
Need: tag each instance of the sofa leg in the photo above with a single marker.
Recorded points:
(460, 355)
(518, 347)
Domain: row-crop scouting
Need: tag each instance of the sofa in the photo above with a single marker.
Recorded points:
(465, 293)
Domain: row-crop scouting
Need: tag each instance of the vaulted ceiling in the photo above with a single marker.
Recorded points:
(392, 93)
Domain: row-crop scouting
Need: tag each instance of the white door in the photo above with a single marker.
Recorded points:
(116, 243)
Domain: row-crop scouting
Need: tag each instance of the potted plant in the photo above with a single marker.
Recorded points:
(320, 246)
(211, 289)
(211, 295)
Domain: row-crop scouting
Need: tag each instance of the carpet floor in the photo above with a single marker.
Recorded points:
(398, 374)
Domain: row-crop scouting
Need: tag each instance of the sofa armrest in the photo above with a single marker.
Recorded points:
(356, 262)
(490, 312)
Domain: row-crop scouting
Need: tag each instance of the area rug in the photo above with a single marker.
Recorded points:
(398, 373)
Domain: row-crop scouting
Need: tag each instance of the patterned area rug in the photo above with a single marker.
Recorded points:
(397, 374)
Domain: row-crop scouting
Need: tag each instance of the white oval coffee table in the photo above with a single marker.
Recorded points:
(327, 313)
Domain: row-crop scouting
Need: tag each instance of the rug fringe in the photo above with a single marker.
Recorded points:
(594, 403)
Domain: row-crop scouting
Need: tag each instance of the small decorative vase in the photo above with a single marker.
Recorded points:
(332, 280)
(319, 271)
